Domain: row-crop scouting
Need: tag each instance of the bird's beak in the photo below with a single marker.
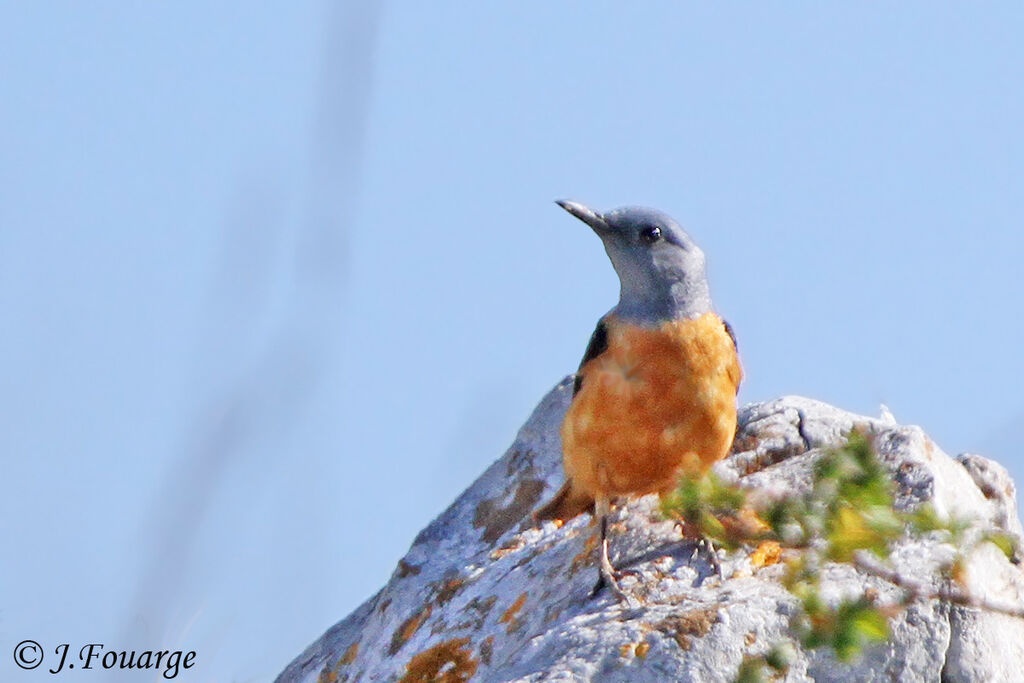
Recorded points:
(588, 216)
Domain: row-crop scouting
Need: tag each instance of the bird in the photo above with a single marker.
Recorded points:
(654, 398)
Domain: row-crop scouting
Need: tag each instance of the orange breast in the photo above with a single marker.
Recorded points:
(656, 404)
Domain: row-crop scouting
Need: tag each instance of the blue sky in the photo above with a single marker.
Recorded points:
(278, 281)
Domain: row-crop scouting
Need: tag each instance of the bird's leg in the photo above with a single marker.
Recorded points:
(606, 573)
(709, 547)
(705, 545)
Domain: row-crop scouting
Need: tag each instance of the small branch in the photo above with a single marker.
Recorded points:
(918, 590)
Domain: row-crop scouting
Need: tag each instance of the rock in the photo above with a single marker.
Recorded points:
(485, 594)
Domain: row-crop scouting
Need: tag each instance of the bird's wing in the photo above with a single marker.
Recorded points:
(568, 502)
(734, 371)
(598, 344)
(732, 334)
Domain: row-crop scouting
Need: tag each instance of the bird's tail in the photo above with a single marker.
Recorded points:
(566, 504)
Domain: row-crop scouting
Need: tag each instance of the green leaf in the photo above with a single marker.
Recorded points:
(858, 622)
(1003, 541)
(871, 624)
(851, 531)
(925, 519)
(752, 670)
(781, 656)
(712, 528)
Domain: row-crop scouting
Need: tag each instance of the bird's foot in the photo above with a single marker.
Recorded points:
(609, 576)
(612, 583)
(707, 548)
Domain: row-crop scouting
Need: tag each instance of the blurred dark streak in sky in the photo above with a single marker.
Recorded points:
(261, 399)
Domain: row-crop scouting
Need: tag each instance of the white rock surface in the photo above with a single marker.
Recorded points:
(484, 594)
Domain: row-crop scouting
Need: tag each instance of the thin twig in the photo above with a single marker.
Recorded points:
(947, 593)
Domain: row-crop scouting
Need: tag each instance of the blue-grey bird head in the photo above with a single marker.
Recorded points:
(661, 270)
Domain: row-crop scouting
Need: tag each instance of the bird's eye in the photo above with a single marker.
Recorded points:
(650, 234)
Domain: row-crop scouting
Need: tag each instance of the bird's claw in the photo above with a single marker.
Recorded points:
(705, 545)
(613, 583)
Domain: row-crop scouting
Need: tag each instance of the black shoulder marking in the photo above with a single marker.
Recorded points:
(598, 344)
(732, 334)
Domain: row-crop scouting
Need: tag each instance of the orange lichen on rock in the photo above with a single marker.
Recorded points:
(582, 559)
(683, 627)
(446, 591)
(448, 662)
(406, 569)
(515, 544)
(407, 629)
(768, 553)
(350, 653)
(509, 616)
